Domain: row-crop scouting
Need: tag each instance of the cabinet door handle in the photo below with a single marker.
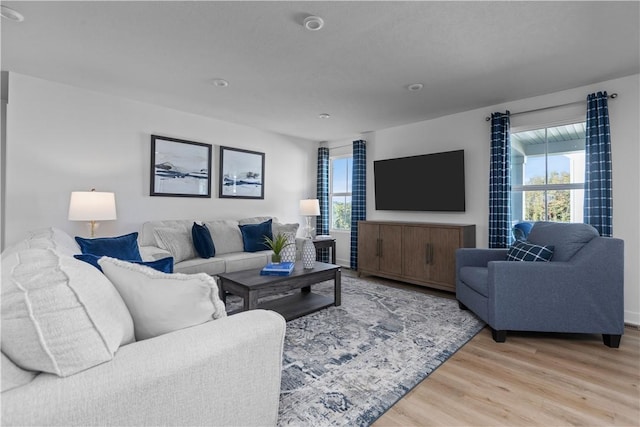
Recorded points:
(427, 251)
(430, 253)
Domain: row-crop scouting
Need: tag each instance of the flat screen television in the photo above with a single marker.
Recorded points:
(429, 182)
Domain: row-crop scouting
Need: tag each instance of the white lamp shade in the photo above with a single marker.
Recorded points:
(92, 206)
(309, 207)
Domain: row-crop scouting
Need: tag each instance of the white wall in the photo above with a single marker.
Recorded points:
(470, 131)
(61, 139)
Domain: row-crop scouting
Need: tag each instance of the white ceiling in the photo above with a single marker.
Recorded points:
(281, 77)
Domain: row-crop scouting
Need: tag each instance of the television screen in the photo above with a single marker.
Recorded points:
(430, 182)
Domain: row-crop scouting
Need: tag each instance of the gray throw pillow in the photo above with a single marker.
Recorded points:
(177, 241)
(284, 228)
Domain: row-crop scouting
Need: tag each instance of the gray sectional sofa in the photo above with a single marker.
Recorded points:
(230, 254)
(69, 355)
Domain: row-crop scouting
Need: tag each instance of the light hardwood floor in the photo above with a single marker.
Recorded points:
(531, 379)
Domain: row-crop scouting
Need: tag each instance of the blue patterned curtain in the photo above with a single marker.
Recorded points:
(322, 191)
(500, 182)
(358, 196)
(598, 204)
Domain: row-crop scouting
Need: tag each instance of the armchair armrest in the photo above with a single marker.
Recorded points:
(475, 257)
(223, 372)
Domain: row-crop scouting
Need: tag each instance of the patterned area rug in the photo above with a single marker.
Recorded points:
(347, 365)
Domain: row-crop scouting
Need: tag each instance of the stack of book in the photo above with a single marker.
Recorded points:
(280, 269)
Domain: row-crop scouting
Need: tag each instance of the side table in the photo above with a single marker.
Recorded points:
(326, 243)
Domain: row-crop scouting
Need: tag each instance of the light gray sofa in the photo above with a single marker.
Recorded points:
(223, 372)
(227, 238)
(581, 290)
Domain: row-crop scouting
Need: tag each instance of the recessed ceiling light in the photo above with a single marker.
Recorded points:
(313, 23)
(324, 116)
(10, 14)
(414, 87)
(219, 82)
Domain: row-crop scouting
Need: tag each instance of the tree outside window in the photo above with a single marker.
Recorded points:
(547, 174)
(340, 189)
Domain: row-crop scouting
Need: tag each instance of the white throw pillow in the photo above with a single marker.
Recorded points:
(59, 315)
(177, 241)
(161, 302)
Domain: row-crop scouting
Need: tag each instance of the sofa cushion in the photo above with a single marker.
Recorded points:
(524, 251)
(211, 266)
(121, 247)
(164, 264)
(202, 240)
(13, 376)
(59, 315)
(477, 278)
(240, 261)
(567, 239)
(253, 236)
(177, 241)
(160, 303)
(226, 236)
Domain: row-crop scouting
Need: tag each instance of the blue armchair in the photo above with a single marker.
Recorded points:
(579, 291)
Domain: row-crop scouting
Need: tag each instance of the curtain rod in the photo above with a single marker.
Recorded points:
(612, 96)
(342, 146)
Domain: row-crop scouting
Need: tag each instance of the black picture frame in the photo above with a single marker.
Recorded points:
(241, 174)
(180, 168)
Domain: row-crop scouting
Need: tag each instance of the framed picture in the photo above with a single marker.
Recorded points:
(180, 168)
(241, 174)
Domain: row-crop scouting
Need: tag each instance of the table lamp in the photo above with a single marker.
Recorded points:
(92, 206)
(309, 208)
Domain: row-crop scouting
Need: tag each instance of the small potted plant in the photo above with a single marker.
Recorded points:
(277, 244)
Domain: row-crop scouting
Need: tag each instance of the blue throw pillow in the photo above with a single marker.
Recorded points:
(164, 265)
(253, 236)
(121, 247)
(202, 241)
(524, 251)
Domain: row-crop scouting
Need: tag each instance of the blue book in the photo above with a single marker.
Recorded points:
(280, 269)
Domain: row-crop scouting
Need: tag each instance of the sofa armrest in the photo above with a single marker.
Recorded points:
(153, 253)
(223, 372)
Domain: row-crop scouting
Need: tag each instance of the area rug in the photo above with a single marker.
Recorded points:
(347, 365)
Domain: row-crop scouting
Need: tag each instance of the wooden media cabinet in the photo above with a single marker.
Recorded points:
(414, 252)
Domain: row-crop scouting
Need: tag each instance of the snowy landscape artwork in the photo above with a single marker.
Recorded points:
(241, 173)
(180, 168)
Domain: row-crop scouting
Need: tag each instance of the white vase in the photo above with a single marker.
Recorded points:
(288, 254)
(308, 254)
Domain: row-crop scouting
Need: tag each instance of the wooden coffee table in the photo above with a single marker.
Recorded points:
(250, 285)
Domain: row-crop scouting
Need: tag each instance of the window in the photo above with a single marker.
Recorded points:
(547, 174)
(340, 192)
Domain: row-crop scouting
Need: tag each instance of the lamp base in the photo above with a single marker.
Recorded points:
(308, 230)
(93, 225)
